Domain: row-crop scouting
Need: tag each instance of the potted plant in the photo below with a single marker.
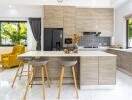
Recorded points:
(75, 39)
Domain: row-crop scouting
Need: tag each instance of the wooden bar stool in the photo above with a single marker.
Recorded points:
(20, 69)
(43, 67)
(63, 65)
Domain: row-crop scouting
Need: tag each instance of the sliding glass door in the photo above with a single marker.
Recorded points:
(129, 33)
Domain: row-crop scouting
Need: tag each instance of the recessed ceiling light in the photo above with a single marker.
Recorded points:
(60, 1)
(10, 6)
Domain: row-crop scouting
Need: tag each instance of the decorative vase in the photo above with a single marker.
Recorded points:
(75, 47)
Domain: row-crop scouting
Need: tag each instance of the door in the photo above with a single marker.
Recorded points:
(53, 39)
(53, 16)
(57, 39)
(47, 39)
(89, 70)
(107, 70)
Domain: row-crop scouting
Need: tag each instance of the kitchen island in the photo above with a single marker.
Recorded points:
(94, 68)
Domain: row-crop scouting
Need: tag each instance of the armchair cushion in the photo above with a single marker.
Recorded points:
(5, 59)
(5, 55)
(10, 59)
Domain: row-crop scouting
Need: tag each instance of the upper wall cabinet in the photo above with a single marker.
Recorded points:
(85, 21)
(105, 21)
(95, 19)
(53, 16)
(79, 20)
(69, 20)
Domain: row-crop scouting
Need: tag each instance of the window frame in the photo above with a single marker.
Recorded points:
(127, 33)
(8, 21)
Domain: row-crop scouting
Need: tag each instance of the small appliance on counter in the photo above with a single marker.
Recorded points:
(68, 40)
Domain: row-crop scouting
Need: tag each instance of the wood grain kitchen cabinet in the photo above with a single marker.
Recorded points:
(130, 67)
(95, 20)
(125, 60)
(107, 70)
(84, 20)
(89, 71)
(104, 21)
(69, 20)
(118, 53)
(79, 20)
(53, 16)
(98, 70)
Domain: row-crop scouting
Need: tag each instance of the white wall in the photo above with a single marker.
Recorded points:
(21, 13)
(120, 23)
(117, 3)
(86, 3)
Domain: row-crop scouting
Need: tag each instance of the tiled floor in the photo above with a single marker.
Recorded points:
(122, 91)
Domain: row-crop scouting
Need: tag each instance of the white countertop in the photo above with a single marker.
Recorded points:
(93, 49)
(125, 50)
(62, 54)
(103, 47)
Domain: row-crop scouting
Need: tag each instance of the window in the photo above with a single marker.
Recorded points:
(129, 33)
(13, 32)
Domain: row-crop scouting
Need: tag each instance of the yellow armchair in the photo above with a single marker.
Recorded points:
(10, 59)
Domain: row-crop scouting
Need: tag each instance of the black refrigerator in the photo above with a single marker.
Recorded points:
(53, 39)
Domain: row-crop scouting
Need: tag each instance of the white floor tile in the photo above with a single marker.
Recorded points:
(122, 91)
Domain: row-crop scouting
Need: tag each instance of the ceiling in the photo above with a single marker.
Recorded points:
(82, 3)
(117, 3)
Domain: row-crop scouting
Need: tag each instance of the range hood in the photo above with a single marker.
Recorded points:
(92, 33)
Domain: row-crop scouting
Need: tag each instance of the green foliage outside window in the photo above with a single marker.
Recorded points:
(130, 29)
(13, 33)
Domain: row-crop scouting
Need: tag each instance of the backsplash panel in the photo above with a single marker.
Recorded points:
(94, 41)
